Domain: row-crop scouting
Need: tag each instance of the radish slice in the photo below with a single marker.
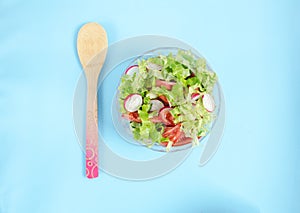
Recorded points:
(152, 66)
(132, 69)
(156, 105)
(168, 85)
(195, 96)
(133, 102)
(165, 109)
(208, 102)
(166, 116)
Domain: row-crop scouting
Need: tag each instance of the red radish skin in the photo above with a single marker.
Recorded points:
(156, 105)
(132, 69)
(133, 102)
(166, 116)
(195, 96)
(208, 102)
(168, 85)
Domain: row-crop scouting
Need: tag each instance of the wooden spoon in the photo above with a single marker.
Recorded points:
(91, 48)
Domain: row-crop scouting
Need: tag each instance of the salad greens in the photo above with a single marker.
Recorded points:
(175, 80)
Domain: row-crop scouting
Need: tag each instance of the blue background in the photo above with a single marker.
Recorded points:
(253, 46)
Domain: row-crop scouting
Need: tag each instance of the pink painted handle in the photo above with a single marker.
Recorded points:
(91, 147)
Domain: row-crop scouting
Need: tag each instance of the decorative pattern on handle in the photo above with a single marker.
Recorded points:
(91, 155)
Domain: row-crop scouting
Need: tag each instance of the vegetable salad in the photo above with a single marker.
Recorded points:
(168, 99)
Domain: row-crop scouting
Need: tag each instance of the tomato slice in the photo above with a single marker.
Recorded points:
(173, 133)
(170, 131)
(183, 140)
(176, 136)
(132, 116)
(164, 100)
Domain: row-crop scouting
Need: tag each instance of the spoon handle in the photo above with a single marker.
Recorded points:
(91, 147)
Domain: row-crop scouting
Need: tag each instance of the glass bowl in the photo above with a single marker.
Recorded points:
(122, 125)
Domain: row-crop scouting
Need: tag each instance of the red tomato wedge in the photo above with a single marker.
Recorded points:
(173, 133)
(164, 100)
(132, 116)
(182, 140)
